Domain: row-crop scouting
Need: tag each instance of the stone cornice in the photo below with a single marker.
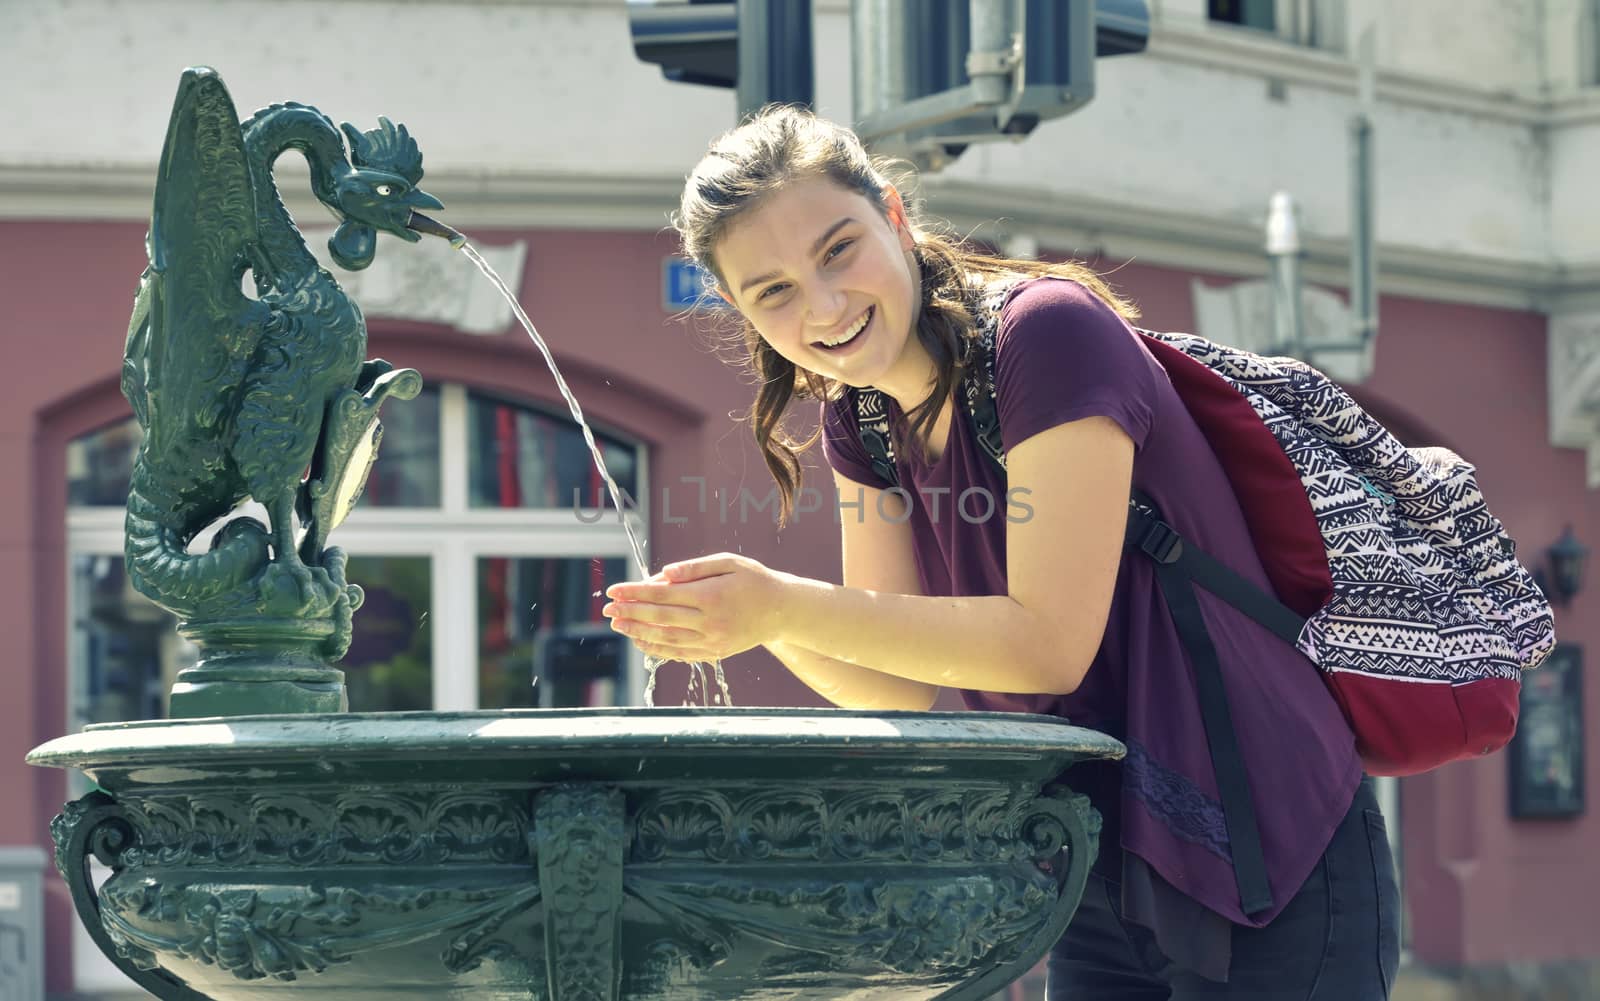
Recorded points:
(1076, 225)
(1089, 227)
(1258, 54)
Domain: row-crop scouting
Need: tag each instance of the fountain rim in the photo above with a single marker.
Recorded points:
(683, 729)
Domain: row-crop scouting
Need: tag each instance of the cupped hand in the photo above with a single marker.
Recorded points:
(702, 609)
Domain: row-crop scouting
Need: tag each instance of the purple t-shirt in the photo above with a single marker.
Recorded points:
(1061, 354)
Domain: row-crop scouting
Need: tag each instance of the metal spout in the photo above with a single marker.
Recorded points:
(422, 224)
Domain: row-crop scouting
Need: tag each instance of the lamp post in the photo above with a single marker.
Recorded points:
(1283, 256)
(1347, 351)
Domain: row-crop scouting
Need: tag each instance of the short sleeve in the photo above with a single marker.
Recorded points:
(1062, 354)
(841, 444)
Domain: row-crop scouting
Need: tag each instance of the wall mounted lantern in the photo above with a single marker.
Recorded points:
(1568, 564)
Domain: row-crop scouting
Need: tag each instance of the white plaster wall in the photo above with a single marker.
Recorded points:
(483, 86)
(518, 87)
(1575, 203)
(1570, 48)
(1497, 45)
(1176, 137)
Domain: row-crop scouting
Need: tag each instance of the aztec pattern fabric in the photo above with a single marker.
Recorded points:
(1417, 611)
(1431, 619)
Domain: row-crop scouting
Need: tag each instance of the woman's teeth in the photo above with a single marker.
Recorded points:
(850, 335)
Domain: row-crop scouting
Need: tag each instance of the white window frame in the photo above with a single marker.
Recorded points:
(453, 536)
(1312, 24)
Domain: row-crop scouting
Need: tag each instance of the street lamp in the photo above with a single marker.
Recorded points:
(1569, 562)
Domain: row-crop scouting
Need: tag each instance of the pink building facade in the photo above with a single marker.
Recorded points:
(1483, 889)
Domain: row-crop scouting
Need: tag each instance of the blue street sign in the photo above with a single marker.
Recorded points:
(685, 286)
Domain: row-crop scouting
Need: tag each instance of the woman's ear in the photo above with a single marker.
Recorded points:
(896, 209)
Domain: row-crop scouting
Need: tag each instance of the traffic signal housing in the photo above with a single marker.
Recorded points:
(933, 76)
(760, 48)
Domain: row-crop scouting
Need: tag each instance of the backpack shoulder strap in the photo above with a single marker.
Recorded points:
(1227, 761)
(978, 393)
(872, 426)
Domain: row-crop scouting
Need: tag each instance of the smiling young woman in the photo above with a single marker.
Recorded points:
(838, 290)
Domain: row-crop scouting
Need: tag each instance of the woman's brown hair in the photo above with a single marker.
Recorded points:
(782, 144)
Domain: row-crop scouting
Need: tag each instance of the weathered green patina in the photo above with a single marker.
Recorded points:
(284, 847)
(240, 395)
(659, 854)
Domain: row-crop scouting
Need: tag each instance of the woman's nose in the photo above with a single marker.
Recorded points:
(824, 305)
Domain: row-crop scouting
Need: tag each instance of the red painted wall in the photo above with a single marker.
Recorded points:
(1481, 887)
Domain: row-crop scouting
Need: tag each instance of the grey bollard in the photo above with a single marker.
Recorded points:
(21, 924)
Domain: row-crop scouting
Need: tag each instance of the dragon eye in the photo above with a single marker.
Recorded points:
(384, 189)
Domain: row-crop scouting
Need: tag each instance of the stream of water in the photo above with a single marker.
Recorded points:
(697, 680)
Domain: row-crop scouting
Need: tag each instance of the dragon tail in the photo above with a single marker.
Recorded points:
(163, 570)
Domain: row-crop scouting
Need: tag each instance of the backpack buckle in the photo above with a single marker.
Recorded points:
(1161, 542)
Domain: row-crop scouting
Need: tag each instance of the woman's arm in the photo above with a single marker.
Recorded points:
(1061, 562)
(850, 686)
(878, 555)
(1040, 637)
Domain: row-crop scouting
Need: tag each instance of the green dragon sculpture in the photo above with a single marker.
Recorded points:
(266, 396)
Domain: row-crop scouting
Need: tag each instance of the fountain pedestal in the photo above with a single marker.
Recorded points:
(591, 854)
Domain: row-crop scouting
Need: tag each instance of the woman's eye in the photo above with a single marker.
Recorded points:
(839, 248)
(770, 291)
(384, 190)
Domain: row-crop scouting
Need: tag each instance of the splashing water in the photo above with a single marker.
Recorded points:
(697, 680)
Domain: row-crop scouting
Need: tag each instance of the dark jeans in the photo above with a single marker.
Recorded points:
(1337, 940)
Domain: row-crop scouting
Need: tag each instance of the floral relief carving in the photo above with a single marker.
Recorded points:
(282, 932)
(888, 823)
(427, 827)
(920, 882)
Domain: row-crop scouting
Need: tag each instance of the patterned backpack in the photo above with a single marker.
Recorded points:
(1390, 573)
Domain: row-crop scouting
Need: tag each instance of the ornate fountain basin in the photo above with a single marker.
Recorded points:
(620, 853)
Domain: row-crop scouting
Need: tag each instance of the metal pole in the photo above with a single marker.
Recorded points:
(775, 60)
(879, 47)
(1283, 255)
(1363, 236)
(993, 54)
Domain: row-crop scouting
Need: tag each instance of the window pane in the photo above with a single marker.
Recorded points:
(100, 465)
(407, 471)
(522, 458)
(541, 638)
(126, 650)
(390, 663)
(1249, 13)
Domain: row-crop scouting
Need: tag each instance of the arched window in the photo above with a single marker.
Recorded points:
(483, 584)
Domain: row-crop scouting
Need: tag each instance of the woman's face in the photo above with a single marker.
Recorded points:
(830, 284)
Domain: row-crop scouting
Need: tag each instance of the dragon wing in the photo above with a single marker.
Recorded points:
(193, 329)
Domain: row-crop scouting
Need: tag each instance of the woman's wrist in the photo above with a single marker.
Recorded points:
(785, 609)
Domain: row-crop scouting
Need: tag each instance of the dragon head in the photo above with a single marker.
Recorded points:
(379, 192)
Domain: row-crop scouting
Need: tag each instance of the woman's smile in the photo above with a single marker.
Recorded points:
(850, 338)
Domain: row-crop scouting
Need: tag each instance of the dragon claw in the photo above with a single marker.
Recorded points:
(290, 588)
